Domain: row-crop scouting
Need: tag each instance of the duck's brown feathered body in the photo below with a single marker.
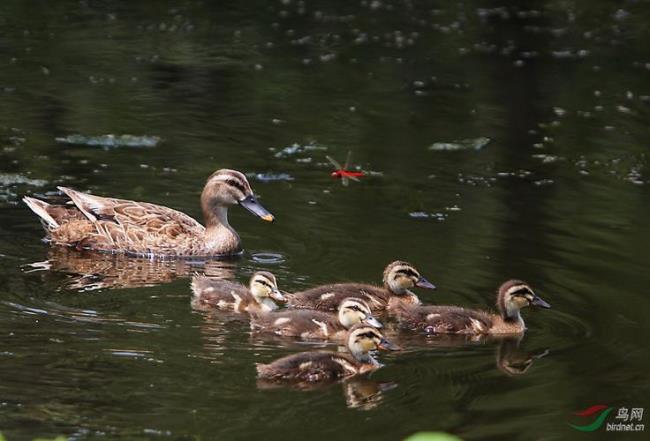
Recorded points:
(433, 319)
(260, 296)
(512, 296)
(310, 367)
(328, 297)
(399, 277)
(149, 230)
(303, 323)
(313, 367)
(123, 226)
(222, 294)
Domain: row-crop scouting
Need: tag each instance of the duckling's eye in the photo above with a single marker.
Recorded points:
(522, 292)
(264, 283)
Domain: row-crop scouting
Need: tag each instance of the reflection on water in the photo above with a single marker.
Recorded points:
(88, 271)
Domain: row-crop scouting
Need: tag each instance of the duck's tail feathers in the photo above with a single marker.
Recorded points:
(41, 209)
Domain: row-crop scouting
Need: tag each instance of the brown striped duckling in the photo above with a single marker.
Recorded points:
(512, 296)
(315, 366)
(399, 278)
(311, 324)
(143, 229)
(262, 293)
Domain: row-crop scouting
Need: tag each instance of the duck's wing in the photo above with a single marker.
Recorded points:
(124, 225)
(208, 292)
(451, 320)
(52, 216)
(297, 323)
(328, 297)
(309, 367)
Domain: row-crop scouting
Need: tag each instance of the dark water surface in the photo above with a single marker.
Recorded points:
(96, 347)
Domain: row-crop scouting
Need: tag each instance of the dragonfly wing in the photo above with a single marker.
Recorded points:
(345, 181)
(347, 160)
(334, 162)
(354, 178)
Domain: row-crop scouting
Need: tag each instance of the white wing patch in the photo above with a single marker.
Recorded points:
(237, 300)
(327, 295)
(432, 316)
(304, 365)
(281, 321)
(372, 299)
(477, 326)
(322, 326)
(346, 365)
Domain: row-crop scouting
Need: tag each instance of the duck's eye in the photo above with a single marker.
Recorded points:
(238, 185)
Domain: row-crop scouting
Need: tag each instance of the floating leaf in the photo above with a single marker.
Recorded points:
(110, 140)
(463, 144)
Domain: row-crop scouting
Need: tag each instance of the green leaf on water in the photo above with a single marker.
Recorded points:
(432, 436)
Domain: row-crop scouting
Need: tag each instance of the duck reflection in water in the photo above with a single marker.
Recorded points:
(88, 270)
(510, 358)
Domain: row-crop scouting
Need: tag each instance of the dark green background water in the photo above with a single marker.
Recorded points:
(559, 198)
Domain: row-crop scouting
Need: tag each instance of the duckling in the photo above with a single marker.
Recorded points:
(142, 229)
(262, 293)
(399, 278)
(311, 324)
(512, 296)
(315, 366)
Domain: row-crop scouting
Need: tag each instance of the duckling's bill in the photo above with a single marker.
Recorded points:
(251, 203)
(424, 283)
(538, 301)
(370, 320)
(278, 296)
(388, 346)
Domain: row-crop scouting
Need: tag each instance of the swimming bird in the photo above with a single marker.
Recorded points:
(144, 229)
(262, 293)
(315, 366)
(512, 296)
(312, 324)
(399, 278)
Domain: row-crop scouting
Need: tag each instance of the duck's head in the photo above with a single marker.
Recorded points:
(229, 187)
(264, 288)
(514, 295)
(399, 277)
(363, 338)
(353, 311)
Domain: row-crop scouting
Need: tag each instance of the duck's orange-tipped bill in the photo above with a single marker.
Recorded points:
(251, 203)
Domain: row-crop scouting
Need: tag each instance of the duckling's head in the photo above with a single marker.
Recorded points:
(363, 338)
(401, 276)
(353, 311)
(264, 288)
(229, 187)
(514, 295)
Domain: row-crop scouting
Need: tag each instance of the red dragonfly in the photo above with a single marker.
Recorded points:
(343, 172)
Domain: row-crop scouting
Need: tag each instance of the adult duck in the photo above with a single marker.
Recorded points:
(154, 231)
